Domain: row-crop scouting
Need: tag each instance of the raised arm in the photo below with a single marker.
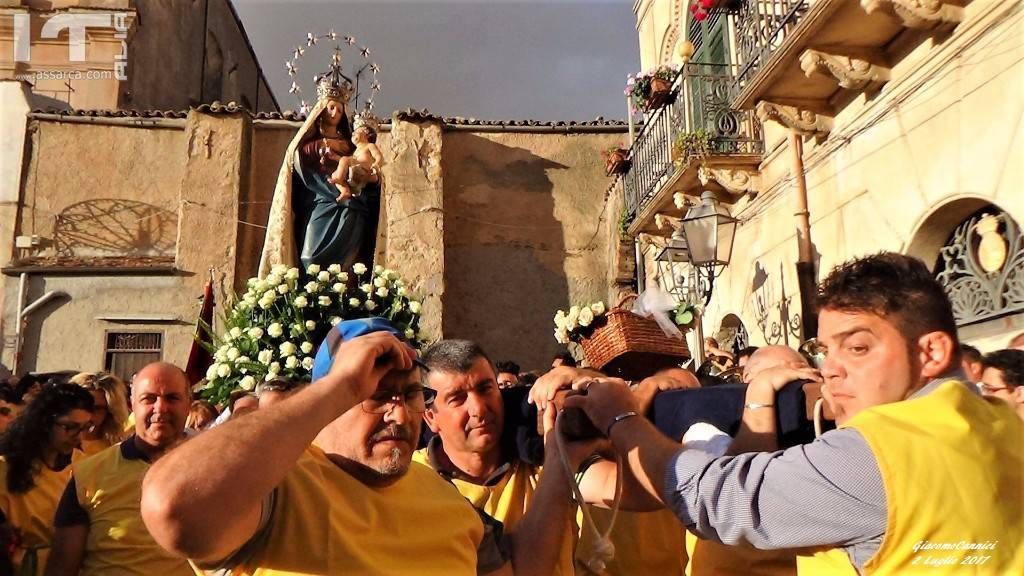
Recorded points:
(758, 432)
(203, 500)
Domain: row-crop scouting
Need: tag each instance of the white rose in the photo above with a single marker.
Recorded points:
(368, 288)
(379, 282)
(359, 268)
(232, 353)
(597, 308)
(275, 330)
(291, 362)
(283, 288)
(235, 332)
(274, 367)
(400, 291)
(414, 307)
(248, 383)
(310, 325)
(312, 287)
(324, 276)
(279, 269)
(370, 305)
(378, 269)
(266, 303)
(255, 332)
(301, 302)
(249, 298)
(306, 347)
(221, 354)
(223, 370)
(313, 269)
(324, 300)
(409, 333)
(561, 319)
(244, 306)
(269, 295)
(211, 372)
(586, 316)
(335, 320)
(382, 292)
(265, 356)
(243, 360)
(273, 280)
(561, 336)
(287, 348)
(338, 288)
(297, 328)
(307, 363)
(353, 302)
(292, 274)
(334, 269)
(270, 376)
(343, 277)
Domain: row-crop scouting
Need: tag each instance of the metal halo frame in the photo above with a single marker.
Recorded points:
(312, 39)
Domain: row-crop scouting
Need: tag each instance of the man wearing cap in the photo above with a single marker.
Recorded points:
(323, 483)
(98, 529)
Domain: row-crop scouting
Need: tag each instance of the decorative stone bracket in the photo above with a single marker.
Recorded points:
(918, 14)
(804, 122)
(851, 71)
(733, 181)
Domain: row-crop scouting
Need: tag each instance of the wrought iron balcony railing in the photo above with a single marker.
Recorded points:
(700, 103)
(761, 26)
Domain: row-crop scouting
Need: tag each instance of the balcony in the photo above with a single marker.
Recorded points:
(806, 58)
(700, 104)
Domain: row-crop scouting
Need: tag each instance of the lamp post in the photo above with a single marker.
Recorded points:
(682, 284)
(710, 231)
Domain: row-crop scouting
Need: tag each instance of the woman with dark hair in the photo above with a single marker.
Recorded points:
(35, 452)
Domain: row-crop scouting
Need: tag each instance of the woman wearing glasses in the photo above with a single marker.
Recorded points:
(35, 452)
(109, 412)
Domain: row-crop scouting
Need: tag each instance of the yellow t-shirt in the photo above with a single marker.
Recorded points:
(952, 464)
(325, 521)
(710, 558)
(108, 488)
(505, 498)
(646, 543)
(32, 512)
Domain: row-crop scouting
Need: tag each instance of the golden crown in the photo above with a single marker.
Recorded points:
(366, 119)
(334, 86)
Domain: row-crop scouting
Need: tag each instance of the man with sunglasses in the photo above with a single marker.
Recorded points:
(323, 483)
(1002, 377)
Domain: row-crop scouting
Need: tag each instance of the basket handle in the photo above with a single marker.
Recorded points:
(626, 298)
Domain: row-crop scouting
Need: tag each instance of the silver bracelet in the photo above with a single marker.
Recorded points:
(616, 420)
(756, 405)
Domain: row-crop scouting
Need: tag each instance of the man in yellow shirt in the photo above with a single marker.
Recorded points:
(98, 528)
(884, 493)
(323, 482)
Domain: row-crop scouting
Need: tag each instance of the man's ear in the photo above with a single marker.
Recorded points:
(1018, 394)
(429, 417)
(937, 353)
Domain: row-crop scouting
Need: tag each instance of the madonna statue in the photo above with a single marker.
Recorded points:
(311, 220)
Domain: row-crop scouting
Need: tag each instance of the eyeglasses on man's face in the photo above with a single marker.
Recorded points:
(416, 399)
(988, 388)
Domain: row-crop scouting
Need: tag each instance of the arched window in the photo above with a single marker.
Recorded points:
(981, 266)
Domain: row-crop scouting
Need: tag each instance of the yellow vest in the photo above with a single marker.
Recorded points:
(32, 512)
(952, 464)
(646, 543)
(109, 487)
(507, 501)
(710, 558)
(327, 522)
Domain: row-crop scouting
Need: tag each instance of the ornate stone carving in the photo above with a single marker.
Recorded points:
(733, 181)
(851, 72)
(919, 14)
(802, 121)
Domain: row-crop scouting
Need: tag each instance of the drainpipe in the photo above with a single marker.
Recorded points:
(24, 312)
(806, 278)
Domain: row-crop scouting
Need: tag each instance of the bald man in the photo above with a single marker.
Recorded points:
(98, 522)
(770, 357)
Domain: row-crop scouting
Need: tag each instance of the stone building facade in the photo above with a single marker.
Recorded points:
(121, 217)
(900, 119)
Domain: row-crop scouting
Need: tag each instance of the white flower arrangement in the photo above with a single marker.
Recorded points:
(273, 329)
(578, 322)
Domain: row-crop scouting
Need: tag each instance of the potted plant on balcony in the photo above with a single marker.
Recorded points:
(616, 160)
(652, 89)
(689, 145)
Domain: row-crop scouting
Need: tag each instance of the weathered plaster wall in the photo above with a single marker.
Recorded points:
(525, 234)
(894, 168)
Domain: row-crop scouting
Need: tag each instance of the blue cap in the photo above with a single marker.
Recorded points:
(347, 330)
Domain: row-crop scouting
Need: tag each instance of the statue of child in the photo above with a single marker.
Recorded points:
(363, 166)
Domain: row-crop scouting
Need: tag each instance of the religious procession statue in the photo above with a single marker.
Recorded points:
(327, 198)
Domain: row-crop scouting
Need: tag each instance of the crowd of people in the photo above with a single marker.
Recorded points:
(396, 461)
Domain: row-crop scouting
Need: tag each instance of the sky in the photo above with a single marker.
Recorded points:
(485, 59)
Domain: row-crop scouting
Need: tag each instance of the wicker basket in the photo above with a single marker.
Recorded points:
(628, 340)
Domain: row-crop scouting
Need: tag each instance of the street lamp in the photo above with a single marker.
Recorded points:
(674, 253)
(709, 230)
